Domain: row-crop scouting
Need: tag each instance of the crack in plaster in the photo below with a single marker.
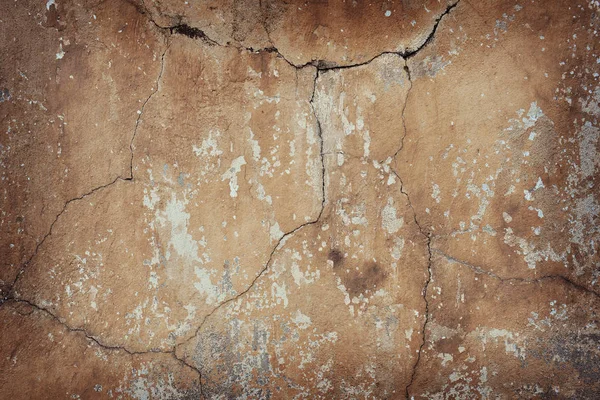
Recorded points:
(100, 343)
(141, 112)
(319, 65)
(10, 294)
(287, 235)
(427, 237)
(482, 271)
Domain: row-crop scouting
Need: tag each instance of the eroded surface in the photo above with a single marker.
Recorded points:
(300, 199)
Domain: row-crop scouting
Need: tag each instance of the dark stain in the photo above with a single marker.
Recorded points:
(367, 279)
(53, 18)
(572, 350)
(191, 32)
(4, 95)
(337, 257)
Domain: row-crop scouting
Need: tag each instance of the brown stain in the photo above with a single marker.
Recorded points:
(53, 18)
(366, 279)
(337, 257)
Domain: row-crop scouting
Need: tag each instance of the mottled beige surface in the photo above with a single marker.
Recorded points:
(292, 199)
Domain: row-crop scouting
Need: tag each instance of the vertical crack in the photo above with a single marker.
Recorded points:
(422, 231)
(404, 113)
(321, 142)
(427, 315)
(285, 236)
(141, 111)
(427, 236)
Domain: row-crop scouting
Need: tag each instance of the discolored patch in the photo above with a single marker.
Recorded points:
(337, 257)
(365, 280)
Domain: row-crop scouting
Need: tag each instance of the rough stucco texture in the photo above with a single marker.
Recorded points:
(299, 199)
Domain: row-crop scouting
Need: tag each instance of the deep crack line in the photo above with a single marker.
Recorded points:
(422, 231)
(427, 316)
(320, 65)
(427, 235)
(285, 236)
(409, 53)
(406, 54)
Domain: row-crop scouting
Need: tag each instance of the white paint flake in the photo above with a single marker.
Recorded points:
(231, 174)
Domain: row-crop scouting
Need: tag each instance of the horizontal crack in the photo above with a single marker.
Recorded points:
(482, 271)
(406, 54)
(102, 345)
(193, 33)
(321, 65)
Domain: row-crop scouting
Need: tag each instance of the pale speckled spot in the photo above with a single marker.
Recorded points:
(389, 220)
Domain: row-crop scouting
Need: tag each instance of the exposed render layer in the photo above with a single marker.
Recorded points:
(299, 199)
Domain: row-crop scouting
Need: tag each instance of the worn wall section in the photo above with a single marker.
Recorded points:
(339, 311)
(299, 199)
(74, 78)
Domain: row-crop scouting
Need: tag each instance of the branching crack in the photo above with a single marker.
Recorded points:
(406, 54)
(426, 235)
(98, 342)
(321, 65)
(10, 293)
(287, 235)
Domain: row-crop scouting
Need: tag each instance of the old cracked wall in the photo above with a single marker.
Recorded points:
(299, 199)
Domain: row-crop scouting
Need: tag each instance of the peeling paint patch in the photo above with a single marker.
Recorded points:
(231, 175)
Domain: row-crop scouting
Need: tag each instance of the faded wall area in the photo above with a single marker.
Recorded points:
(299, 199)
